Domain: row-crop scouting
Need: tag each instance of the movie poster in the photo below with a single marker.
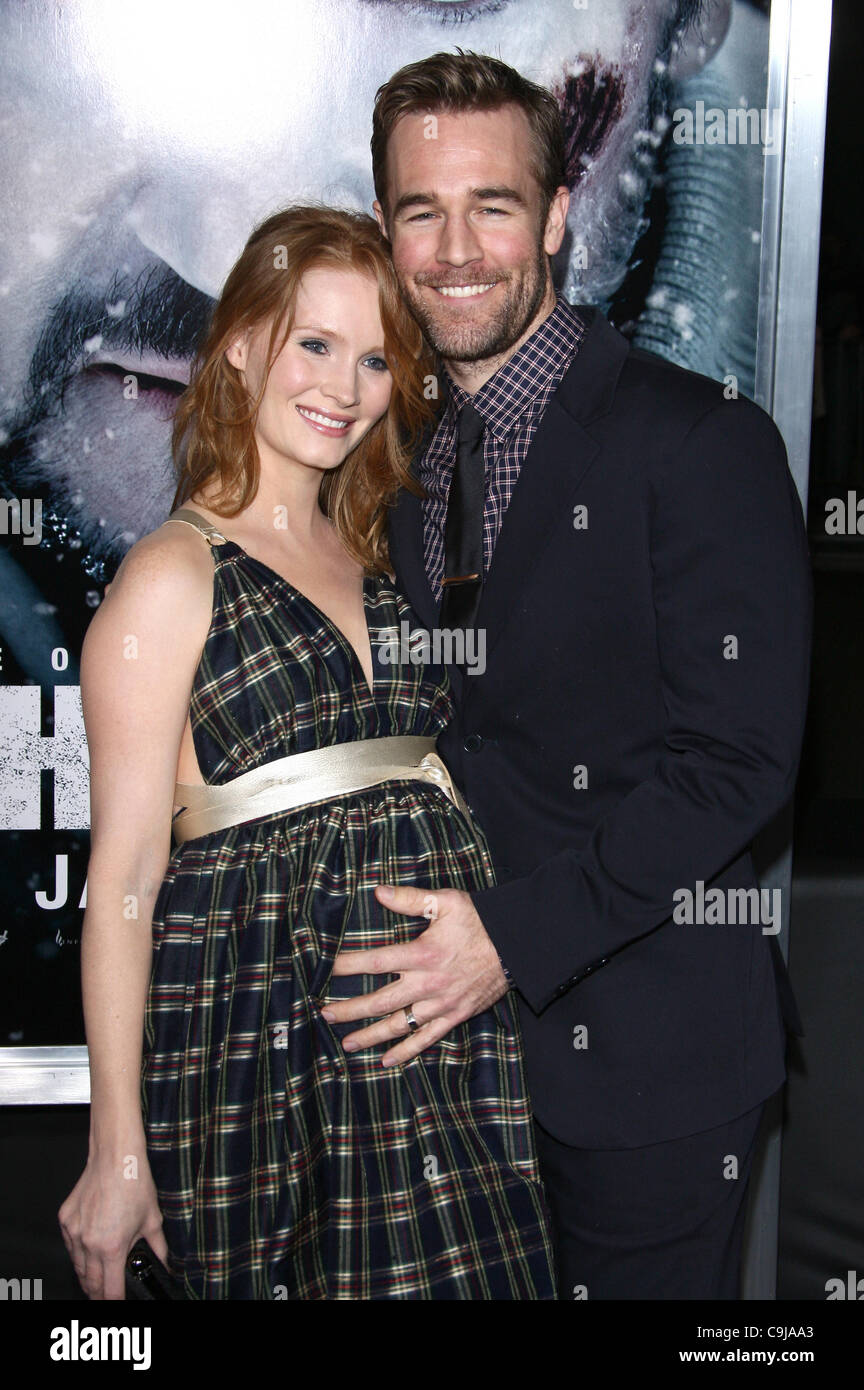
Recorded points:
(141, 144)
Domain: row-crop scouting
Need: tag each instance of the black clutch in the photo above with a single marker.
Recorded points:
(147, 1278)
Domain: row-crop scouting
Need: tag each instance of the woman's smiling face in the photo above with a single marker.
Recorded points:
(329, 383)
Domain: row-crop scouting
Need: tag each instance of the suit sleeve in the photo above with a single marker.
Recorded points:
(733, 605)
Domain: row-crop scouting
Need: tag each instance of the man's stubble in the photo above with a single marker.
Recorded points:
(491, 339)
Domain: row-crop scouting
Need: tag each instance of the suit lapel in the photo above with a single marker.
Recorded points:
(408, 561)
(407, 558)
(561, 452)
(543, 500)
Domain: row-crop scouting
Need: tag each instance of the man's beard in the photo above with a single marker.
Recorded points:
(479, 342)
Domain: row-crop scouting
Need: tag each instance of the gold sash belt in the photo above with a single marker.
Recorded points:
(302, 779)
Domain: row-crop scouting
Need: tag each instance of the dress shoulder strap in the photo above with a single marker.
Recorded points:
(211, 533)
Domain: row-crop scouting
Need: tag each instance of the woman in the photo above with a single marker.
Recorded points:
(236, 637)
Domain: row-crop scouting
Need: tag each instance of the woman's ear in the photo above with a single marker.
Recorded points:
(698, 44)
(237, 352)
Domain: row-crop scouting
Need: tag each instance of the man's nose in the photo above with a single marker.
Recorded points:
(459, 243)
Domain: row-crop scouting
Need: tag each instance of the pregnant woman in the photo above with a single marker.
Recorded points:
(240, 699)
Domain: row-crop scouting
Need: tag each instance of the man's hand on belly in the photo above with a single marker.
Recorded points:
(446, 975)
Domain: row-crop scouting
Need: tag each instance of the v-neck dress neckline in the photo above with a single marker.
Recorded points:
(319, 612)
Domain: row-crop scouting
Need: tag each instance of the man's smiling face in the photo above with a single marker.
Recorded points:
(468, 228)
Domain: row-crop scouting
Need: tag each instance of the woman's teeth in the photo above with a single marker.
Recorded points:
(327, 420)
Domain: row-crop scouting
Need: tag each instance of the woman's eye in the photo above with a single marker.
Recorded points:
(377, 364)
(313, 345)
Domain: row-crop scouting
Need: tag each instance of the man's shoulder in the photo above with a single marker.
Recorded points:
(652, 392)
(684, 418)
(655, 411)
(669, 386)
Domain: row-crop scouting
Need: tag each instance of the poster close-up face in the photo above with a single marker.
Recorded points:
(140, 149)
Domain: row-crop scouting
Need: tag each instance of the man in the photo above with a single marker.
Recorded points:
(630, 544)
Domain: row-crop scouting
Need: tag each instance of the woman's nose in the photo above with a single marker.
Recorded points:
(340, 383)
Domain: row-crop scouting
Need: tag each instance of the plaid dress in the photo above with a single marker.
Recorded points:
(286, 1168)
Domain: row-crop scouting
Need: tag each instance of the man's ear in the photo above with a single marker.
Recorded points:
(701, 40)
(382, 221)
(556, 220)
(237, 352)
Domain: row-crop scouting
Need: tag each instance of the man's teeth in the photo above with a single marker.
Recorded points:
(324, 419)
(462, 291)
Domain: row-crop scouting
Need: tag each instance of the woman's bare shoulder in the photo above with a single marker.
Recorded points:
(174, 561)
(164, 585)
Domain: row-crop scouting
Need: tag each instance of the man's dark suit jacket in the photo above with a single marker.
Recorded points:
(610, 647)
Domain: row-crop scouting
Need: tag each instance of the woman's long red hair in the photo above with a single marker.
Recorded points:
(214, 424)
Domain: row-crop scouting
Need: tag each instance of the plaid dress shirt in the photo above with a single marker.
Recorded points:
(511, 403)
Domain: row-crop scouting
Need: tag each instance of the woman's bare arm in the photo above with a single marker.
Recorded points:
(138, 663)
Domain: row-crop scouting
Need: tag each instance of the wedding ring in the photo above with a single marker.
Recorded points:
(410, 1019)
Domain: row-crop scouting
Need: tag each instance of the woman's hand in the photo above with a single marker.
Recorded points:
(111, 1206)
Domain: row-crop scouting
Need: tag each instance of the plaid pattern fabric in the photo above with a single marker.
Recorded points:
(286, 1168)
(512, 403)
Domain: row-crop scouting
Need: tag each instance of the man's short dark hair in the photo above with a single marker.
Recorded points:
(463, 81)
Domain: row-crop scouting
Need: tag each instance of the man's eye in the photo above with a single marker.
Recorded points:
(313, 345)
(502, 212)
(420, 216)
(377, 364)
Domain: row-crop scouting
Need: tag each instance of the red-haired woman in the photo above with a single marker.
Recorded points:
(229, 677)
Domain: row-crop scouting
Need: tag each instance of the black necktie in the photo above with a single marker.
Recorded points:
(463, 529)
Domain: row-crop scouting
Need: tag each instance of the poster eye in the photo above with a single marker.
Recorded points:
(448, 11)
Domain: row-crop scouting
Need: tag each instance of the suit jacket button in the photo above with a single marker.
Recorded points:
(473, 743)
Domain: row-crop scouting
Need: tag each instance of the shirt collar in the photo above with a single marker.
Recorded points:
(516, 386)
